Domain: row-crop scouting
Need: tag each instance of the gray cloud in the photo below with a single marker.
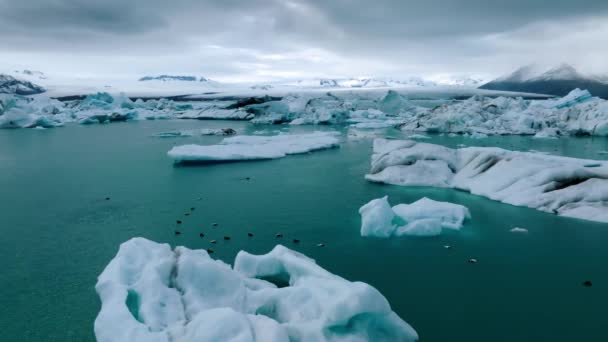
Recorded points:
(273, 38)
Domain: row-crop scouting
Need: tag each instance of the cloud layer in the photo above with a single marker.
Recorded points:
(265, 39)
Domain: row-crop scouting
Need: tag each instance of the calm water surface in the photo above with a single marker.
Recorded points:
(58, 232)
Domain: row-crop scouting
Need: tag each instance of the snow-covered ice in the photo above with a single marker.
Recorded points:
(256, 147)
(561, 185)
(151, 293)
(424, 217)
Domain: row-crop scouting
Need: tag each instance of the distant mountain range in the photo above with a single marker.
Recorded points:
(166, 78)
(12, 85)
(557, 81)
(464, 81)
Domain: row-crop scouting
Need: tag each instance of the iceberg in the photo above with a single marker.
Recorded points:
(152, 293)
(578, 113)
(565, 186)
(424, 217)
(574, 97)
(255, 147)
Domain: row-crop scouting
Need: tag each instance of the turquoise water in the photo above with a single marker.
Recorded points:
(59, 232)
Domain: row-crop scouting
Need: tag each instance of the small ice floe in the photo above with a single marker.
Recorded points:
(548, 133)
(424, 217)
(152, 293)
(255, 147)
(196, 132)
(477, 135)
(418, 136)
(519, 230)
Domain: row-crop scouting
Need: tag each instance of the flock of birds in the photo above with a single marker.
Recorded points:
(586, 283)
(226, 237)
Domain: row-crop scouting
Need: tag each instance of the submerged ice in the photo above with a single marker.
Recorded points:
(424, 217)
(151, 293)
(255, 147)
(561, 185)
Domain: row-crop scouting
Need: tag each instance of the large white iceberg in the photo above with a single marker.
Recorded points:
(424, 217)
(256, 147)
(561, 185)
(151, 293)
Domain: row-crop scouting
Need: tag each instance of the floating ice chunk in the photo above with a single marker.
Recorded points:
(547, 133)
(256, 147)
(377, 218)
(424, 217)
(518, 230)
(478, 135)
(564, 186)
(418, 136)
(152, 293)
(422, 227)
(374, 124)
(393, 103)
(196, 132)
(450, 215)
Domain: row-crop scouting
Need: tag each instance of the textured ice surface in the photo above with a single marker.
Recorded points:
(151, 293)
(424, 217)
(256, 147)
(564, 186)
(28, 112)
(578, 113)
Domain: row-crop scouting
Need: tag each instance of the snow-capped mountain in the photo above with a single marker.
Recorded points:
(364, 82)
(12, 85)
(557, 81)
(30, 74)
(166, 78)
(179, 80)
(469, 81)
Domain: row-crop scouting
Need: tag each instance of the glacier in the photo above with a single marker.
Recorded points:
(256, 147)
(424, 217)
(152, 293)
(578, 113)
(561, 185)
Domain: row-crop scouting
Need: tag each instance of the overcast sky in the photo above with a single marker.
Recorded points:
(269, 39)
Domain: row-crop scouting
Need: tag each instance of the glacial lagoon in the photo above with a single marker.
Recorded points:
(71, 195)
